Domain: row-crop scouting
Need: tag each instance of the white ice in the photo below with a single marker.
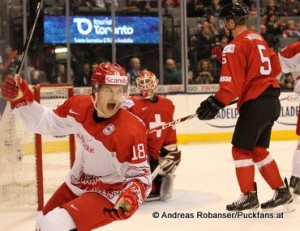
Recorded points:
(205, 182)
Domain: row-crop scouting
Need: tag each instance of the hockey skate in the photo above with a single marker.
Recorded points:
(295, 185)
(282, 200)
(248, 201)
(294, 181)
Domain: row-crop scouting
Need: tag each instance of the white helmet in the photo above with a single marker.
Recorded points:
(147, 83)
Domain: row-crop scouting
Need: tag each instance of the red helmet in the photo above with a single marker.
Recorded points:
(109, 73)
(146, 82)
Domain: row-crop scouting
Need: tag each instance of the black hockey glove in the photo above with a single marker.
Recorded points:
(209, 108)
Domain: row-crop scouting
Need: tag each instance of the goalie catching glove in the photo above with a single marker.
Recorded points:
(127, 203)
(209, 108)
(16, 92)
(169, 159)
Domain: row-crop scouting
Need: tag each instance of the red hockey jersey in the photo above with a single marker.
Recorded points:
(249, 66)
(290, 58)
(109, 153)
(154, 114)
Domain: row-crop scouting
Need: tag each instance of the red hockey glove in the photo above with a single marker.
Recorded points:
(169, 159)
(17, 93)
(127, 203)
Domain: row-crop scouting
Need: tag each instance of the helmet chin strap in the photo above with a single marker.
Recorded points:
(230, 32)
(94, 100)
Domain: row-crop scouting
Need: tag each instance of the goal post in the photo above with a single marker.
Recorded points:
(33, 166)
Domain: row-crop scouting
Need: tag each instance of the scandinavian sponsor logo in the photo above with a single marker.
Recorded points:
(116, 79)
(85, 144)
(225, 79)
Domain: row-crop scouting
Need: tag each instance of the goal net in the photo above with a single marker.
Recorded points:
(33, 166)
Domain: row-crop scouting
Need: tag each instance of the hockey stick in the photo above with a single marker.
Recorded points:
(28, 40)
(174, 122)
(155, 172)
(166, 125)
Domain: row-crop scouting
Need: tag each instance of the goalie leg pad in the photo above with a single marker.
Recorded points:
(167, 185)
(57, 219)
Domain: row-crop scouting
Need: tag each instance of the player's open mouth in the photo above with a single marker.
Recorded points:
(111, 106)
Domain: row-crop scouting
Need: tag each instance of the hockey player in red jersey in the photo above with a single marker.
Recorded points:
(289, 59)
(249, 71)
(164, 156)
(110, 177)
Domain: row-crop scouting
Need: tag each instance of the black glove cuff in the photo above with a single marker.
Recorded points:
(215, 103)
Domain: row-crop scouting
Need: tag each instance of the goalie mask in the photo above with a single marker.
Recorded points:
(147, 83)
(109, 87)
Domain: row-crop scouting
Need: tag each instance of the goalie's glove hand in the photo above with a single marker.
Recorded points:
(126, 205)
(209, 108)
(169, 160)
(16, 92)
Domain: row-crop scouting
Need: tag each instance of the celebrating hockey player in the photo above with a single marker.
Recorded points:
(162, 148)
(289, 59)
(249, 71)
(110, 177)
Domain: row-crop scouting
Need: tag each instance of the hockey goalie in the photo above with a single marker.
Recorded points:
(163, 154)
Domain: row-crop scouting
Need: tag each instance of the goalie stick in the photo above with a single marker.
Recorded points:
(155, 172)
(20, 62)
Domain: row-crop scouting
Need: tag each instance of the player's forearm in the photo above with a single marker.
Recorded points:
(42, 120)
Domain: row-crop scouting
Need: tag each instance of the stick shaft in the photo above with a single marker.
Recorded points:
(28, 39)
(166, 125)
(155, 172)
(174, 122)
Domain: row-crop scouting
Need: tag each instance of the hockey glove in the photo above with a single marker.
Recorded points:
(126, 205)
(169, 159)
(16, 92)
(209, 108)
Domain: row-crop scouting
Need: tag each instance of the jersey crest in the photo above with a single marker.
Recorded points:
(109, 129)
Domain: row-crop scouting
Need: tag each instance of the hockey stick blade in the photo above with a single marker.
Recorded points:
(20, 62)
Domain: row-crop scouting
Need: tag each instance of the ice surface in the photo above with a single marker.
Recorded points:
(205, 182)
